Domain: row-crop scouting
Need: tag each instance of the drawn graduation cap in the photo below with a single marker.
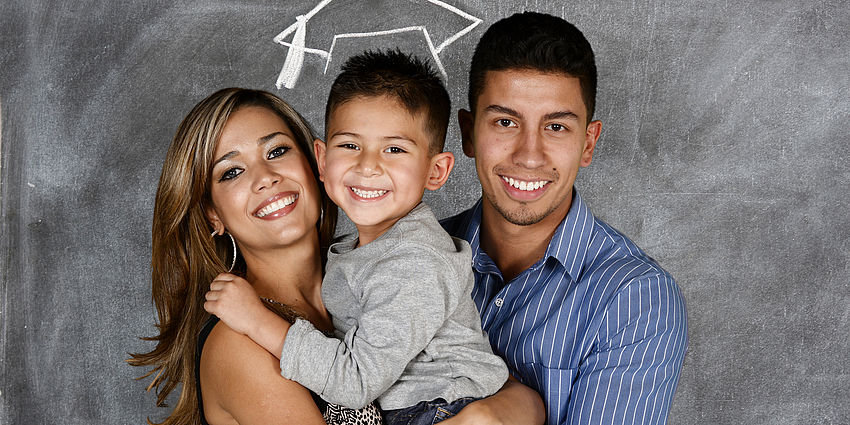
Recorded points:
(297, 44)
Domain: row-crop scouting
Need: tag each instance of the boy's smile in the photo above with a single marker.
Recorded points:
(376, 163)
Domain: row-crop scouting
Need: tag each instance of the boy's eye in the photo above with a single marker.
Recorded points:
(230, 174)
(348, 146)
(394, 149)
(504, 122)
(278, 151)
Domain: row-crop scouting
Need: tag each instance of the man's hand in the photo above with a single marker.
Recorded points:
(513, 404)
(475, 413)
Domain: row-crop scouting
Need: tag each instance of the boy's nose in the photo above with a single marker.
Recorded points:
(368, 164)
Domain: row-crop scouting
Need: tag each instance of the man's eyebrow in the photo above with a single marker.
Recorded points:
(561, 115)
(499, 109)
(262, 140)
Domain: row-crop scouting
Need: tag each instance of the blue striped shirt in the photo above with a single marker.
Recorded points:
(596, 326)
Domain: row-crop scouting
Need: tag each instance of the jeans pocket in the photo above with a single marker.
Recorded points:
(442, 414)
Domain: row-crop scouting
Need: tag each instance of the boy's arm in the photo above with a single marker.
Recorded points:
(235, 302)
(402, 302)
(513, 404)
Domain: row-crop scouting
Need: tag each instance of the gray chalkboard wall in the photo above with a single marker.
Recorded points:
(724, 154)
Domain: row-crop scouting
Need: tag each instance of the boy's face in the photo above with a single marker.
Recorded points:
(376, 162)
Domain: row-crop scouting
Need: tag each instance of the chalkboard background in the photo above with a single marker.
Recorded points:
(724, 153)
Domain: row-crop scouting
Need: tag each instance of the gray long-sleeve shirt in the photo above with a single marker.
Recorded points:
(408, 328)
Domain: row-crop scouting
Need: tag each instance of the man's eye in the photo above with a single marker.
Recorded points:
(394, 149)
(556, 127)
(504, 122)
(230, 174)
(278, 151)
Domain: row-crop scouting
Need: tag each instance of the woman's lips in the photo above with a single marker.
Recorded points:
(276, 206)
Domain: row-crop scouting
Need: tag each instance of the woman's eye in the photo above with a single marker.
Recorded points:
(278, 151)
(504, 122)
(394, 149)
(230, 174)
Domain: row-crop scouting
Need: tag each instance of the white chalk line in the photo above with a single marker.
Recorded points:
(295, 57)
(388, 32)
(1, 144)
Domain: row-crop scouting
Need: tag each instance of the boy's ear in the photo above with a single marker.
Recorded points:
(319, 149)
(466, 122)
(441, 166)
(216, 222)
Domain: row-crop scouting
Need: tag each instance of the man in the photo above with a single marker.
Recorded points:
(575, 308)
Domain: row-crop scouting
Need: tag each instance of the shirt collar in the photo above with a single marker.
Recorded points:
(568, 245)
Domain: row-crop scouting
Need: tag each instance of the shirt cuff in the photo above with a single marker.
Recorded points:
(303, 357)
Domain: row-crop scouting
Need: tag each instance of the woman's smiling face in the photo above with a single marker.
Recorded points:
(262, 188)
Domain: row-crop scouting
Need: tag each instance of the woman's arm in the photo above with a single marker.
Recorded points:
(513, 404)
(241, 382)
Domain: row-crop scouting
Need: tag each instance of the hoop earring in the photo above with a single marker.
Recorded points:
(233, 242)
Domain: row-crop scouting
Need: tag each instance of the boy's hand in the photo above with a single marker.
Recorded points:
(235, 302)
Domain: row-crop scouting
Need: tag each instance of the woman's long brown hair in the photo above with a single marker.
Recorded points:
(185, 258)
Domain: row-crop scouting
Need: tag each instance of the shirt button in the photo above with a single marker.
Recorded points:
(499, 302)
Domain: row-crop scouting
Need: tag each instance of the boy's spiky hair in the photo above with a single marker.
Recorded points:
(398, 75)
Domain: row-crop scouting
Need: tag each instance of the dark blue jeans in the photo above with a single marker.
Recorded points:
(426, 412)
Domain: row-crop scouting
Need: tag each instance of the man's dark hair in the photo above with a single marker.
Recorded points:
(534, 41)
(395, 74)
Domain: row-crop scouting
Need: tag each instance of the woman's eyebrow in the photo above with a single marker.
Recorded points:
(225, 157)
(267, 138)
(261, 141)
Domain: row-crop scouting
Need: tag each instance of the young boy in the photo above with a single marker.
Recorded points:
(399, 292)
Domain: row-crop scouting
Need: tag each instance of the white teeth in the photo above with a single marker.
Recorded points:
(368, 193)
(525, 185)
(276, 205)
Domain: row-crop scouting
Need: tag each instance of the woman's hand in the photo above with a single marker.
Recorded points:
(513, 404)
(235, 302)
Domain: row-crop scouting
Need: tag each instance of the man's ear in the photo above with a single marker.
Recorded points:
(319, 149)
(466, 122)
(591, 135)
(216, 222)
(441, 166)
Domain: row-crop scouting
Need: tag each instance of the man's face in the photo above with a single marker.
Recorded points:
(529, 136)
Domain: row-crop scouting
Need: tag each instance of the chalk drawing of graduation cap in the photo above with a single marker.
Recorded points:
(298, 30)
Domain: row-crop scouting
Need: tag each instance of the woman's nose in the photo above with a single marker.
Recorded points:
(266, 178)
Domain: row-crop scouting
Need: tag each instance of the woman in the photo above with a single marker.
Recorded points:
(240, 166)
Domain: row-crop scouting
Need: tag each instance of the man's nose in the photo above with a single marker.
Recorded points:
(528, 152)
